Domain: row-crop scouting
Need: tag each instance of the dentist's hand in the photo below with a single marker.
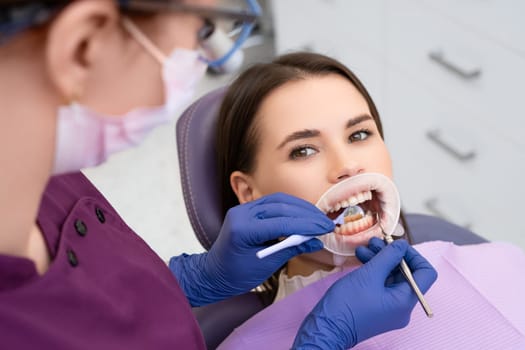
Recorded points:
(231, 266)
(367, 301)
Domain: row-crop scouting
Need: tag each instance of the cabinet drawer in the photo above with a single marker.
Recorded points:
(483, 191)
(500, 21)
(458, 66)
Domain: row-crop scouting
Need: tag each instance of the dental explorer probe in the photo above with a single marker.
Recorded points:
(405, 270)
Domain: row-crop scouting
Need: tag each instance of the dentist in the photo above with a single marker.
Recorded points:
(82, 79)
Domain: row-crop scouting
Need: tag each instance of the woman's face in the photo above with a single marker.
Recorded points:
(312, 134)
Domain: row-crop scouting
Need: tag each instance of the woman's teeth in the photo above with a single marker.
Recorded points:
(353, 213)
(351, 227)
(352, 201)
(355, 218)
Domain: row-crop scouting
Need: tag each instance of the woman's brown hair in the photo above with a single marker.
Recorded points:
(237, 136)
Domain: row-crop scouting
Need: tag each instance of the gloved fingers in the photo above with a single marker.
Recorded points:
(286, 254)
(283, 198)
(364, 254)
(415, 260)
(395, 277)
(280, 209)
(388, 258)
(273, 228)
(423, 272)
(376, 244)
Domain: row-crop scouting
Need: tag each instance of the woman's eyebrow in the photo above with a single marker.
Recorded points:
(303, 134)
(359, 119)
(308, 133)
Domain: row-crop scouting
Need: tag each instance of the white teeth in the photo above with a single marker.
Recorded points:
(354, 227)
(352, 201)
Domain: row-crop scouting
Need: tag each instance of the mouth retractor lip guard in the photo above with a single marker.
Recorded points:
(385, 191)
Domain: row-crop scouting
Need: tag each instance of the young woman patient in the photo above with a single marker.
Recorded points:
(305, 123)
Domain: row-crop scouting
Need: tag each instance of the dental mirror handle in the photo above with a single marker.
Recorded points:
(405, 270)
(408, 275)
(291, 241)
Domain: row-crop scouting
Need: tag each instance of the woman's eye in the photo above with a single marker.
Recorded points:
(359, 135)
(302, 152)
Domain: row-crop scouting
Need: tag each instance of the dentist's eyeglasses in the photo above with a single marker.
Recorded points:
(224, 31)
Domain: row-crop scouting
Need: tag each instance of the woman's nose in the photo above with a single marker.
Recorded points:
(342, 169)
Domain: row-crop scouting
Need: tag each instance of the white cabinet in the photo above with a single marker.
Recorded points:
(497, 21)
(447, 165)
(336, 28)
(459, 65)
(447, 77)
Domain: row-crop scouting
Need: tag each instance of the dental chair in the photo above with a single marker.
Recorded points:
(195, 136)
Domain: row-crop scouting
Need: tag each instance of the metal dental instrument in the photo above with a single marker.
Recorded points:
(405, 270)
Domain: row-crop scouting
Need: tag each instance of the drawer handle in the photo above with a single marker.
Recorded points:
(432, 206)
(439, 57)
(434, 136)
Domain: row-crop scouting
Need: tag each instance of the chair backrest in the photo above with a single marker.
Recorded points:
(195, 134)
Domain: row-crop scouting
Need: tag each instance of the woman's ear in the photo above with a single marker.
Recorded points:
(241, 184)
(76, 41)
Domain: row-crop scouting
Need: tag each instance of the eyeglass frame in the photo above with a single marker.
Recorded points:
(248, 18)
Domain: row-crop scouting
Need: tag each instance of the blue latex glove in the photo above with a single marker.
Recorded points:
(371, 300)
(231, 266)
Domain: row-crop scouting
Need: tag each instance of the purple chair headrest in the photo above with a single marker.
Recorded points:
(195, 134)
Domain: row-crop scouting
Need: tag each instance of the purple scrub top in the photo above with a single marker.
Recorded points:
(105, 287)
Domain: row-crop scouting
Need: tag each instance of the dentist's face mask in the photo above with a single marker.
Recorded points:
(86, 138)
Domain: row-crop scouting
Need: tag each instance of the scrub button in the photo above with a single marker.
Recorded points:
(80, 227)
(72, 258)
(100, 215)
